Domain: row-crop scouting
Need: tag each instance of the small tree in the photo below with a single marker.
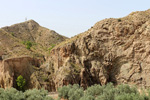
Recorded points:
(28, 44)
(21, 82)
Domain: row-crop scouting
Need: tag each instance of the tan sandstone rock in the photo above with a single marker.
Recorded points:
(113, 50)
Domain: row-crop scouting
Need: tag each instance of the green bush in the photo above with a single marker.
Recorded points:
(124, 88)
(87, 97)
(109, 95)
(94, 90)
(75, 93)
(28, 44)
(63, 92)
(105, 92)
(131, 96)
(21, 82)
(71, 92)
(11, 94)
(35, 94)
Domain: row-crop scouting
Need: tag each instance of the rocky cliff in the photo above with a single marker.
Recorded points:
(13, 67)
(114, 50)
(29, 68)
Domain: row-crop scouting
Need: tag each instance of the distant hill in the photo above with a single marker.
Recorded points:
(27, 38)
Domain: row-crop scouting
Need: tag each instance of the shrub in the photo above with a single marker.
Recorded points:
(131, 96)
(20, 82)
(71, 92)
(105, 92)
(87, 97)
(27, 43)
(11, 94)
(48, 98)
(94, 90)
(124, 88)
(75, 93)
(35, 94)
(107, 95)
(63, 92)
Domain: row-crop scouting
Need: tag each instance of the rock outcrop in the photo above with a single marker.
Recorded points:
(29, 68)
(113, 50)
(11, 68)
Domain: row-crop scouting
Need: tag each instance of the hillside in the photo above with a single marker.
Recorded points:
(23, 48)
(14, 39)
(114, 50)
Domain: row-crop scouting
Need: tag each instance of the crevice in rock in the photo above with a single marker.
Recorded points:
(87, 64)
(113, 69)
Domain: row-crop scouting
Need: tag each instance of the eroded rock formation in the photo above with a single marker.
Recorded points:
(11, 68)
(113, 50)
(29, 68)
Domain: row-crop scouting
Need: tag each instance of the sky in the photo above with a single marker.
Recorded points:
(67, 17)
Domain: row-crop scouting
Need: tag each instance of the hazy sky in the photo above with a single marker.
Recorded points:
(67, 17)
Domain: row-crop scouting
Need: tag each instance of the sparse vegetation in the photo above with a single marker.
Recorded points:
(12, 34)
(28, 44)
(52, 46)
(98, 92)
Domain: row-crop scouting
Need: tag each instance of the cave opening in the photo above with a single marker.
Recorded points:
(111, 72)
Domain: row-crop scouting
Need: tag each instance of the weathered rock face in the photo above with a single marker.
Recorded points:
(11, 68)
(113, 50)
(29, 68)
